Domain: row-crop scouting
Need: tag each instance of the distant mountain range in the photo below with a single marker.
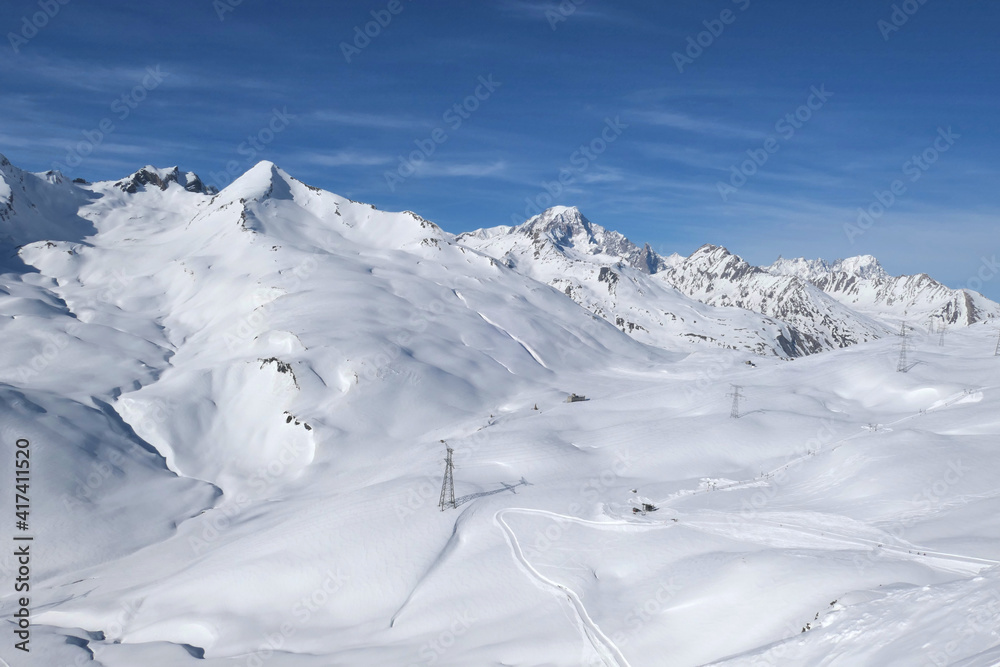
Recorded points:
(789, 309)
(804, 306)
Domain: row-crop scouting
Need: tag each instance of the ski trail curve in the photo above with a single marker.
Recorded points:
(605, 648)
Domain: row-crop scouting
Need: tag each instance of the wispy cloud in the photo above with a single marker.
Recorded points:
(467, 169)
(344, 158)
(96, 77)
(371, 120)
(533, 9)
(686, 154)
(602, 174)
(680, 121)
(536, 10)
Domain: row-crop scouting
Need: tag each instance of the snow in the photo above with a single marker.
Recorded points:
(862, 284)
(861, 266)
(166, 350)
(591, 265)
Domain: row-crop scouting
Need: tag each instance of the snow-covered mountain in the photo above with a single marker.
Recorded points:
(715, 276)
(805, 307)
(611, 277)
(862, 283)
(236, 402)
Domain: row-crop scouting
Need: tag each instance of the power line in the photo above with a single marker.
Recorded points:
(904, 346)
(735, 413)
(448, 484)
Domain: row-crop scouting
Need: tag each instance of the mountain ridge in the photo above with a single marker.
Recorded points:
(807, 306)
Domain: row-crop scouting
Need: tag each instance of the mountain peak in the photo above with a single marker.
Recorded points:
(162, 178)
(861, 266)
(555, 217)
(566, 231)
(566, 227)
(264, 180)
(712, 253)
(564, 211)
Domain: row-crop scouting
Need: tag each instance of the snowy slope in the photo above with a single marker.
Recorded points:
(38, 206)
(211, 272)
(717, 277)
(862, 283)
(803, 307)
(237, 402)
(611, 277)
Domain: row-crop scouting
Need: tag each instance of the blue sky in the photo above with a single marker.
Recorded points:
(104, 88)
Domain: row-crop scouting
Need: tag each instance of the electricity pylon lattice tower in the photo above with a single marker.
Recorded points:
(996, 353)
(448, 484)
(904, 347)
(735, 412)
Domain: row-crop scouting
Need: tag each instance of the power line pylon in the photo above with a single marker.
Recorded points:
(735, 413)
(944, 330)
(904, 346)
(448, 484)
(996, 353)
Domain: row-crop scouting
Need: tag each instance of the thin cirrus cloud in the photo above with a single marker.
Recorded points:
(368, 120)
(462, 169)
(528, 9)
(684, 122)
(97, 78)
(345, 158)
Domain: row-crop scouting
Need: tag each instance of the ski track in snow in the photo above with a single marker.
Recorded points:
(605, 648)
(612, 655)
(951, 562)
